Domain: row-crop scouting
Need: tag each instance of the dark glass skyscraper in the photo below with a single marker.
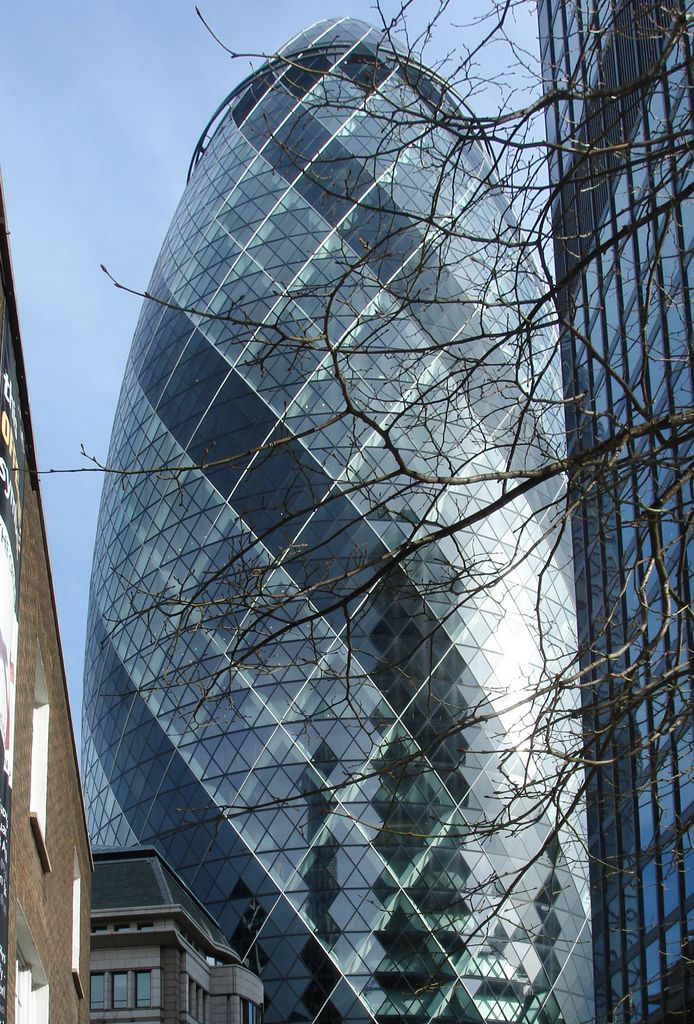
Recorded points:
(624, 230)
(271, 699)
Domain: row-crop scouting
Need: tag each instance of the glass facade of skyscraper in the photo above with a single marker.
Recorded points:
(317, 735)
(624, 232)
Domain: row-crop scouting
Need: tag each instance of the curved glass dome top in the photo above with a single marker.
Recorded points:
(341, 32)
(338, 46)
(310, 667)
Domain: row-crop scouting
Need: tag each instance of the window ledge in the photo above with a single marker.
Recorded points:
(40, 841)
(77, 982)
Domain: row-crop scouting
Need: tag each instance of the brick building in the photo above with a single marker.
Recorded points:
(44, 899)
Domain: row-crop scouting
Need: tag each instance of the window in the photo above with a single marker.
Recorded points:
(97, 992)
(38, 795)
(143, 988)
(119, 990)
(143, 926)
(23, 999)
(31, 990)
(196, 1000)
(76, 914)
(250, 1013)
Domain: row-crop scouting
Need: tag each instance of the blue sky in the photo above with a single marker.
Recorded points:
(101, 105)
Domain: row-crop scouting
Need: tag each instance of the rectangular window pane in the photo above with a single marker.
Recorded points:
(23, 994)
(250, 1013)
(143, 988)
(97, 992)
(120, 990)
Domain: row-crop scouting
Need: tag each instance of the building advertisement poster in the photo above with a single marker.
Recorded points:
(11, 496)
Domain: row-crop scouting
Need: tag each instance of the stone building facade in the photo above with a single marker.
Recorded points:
(157, 956)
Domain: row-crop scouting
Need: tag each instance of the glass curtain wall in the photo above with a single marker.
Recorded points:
(624, 240)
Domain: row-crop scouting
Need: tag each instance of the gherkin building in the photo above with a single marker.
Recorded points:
(320, 624)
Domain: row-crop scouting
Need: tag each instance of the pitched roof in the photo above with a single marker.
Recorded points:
(139, 877)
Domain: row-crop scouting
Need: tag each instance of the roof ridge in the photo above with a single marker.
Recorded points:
(164, 887)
